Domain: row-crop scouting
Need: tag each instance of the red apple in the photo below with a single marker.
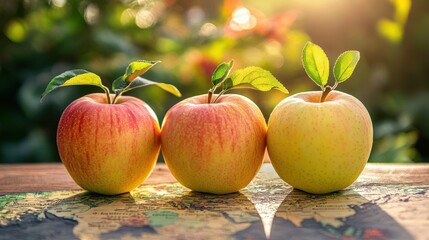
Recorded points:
(108, 148)
(109, 143)
(214, 147)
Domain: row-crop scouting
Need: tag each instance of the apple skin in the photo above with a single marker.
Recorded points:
(214, 148)
(108, 148)
(319, 147)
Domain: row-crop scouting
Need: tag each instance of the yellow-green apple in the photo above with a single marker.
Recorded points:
(108, 143)
(319, 142)
(319, 147)
(108, 148)
(218, 147)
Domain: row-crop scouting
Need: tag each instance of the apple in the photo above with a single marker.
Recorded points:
(108, 148)
(218, 146)
(108, 143)
(319, 142)
(319, 147)
(214, 147)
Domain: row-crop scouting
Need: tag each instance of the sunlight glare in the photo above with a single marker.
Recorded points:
(242, 19)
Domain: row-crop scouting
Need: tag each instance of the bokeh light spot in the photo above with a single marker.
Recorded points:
(144, 18)
(241, 15)
(208, 29)
(195, 16)
(242, 19)
(15, 31)
(91, 13)
(127, 16)
(59, 3)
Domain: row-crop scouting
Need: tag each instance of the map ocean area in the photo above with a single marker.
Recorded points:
(267, 208)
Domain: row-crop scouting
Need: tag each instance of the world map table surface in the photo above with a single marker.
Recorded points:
(376, 206)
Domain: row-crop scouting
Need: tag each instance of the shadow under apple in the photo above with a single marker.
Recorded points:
(209, 216)
(160, 211)
(339, 215)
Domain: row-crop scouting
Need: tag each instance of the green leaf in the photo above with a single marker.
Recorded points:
(253, 77)
(345, 65)
(122, 86)
(316, 64)
(73, 77)
(137, 68)
(119, 85)
(221, 72)
(227, 84)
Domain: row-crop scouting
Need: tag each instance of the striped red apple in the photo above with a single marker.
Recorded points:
(218, 146)
(109, 143)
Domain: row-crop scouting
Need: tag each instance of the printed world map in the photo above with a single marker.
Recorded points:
(267, 208)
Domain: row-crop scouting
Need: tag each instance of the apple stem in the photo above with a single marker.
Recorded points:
(117, 95)
(335, 85)
(106, 90)
(325, 93)
(210, 94)
(220, 94)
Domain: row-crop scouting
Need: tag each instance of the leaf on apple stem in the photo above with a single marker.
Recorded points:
(137, 68)
(126, 82)
(250, 77)
(131, 80)
(345, 65)
(221, 72)
(316, 64)
(254, 77)
(74, 77)
(142, 82)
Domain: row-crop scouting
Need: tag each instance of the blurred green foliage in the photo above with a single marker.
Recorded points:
(41, 39)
